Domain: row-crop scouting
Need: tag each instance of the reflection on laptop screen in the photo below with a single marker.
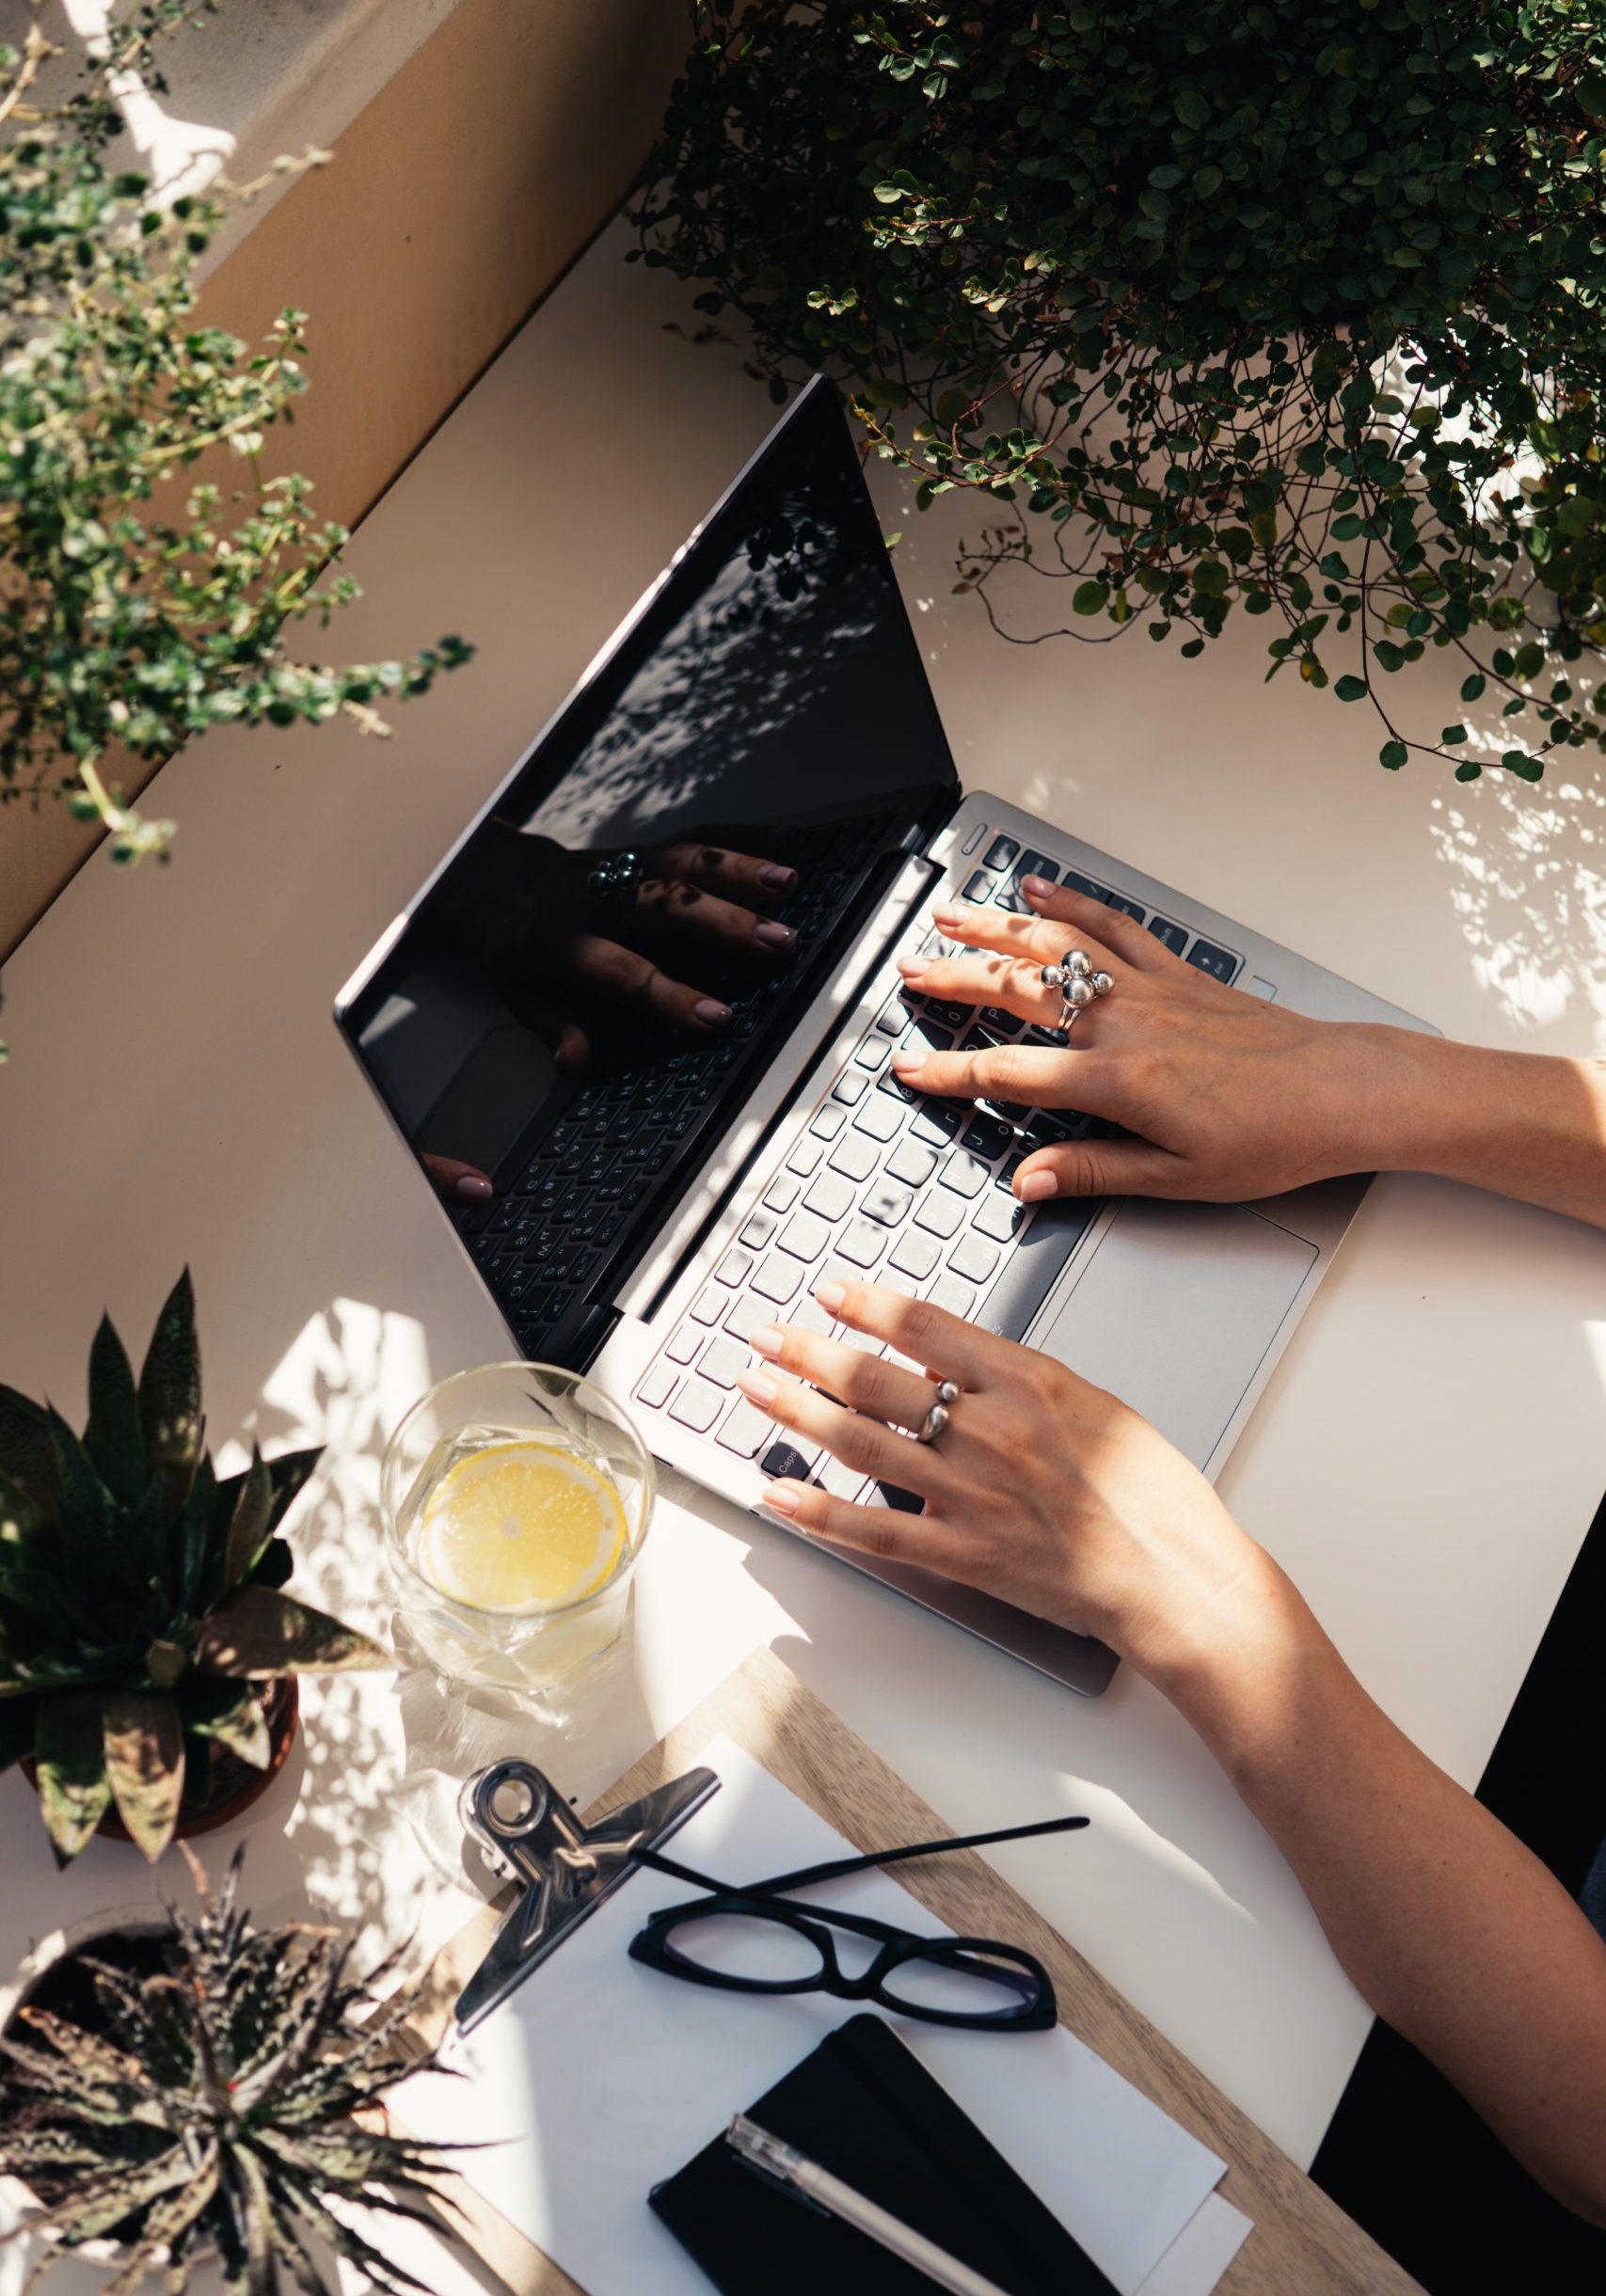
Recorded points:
(768, 712)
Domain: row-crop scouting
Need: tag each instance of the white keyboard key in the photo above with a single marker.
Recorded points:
(808, 1315)
(939, 1215)
(854, 1157)
(841, 1481)
(781, 1193)
(723, 1360)
(804, 1158)
(860, 1341)
(897, 1283)
(748, 1313)
(893, 1018)
(872, 1052)
(733, 1268)
(850, 1087)
(916, 1255)
(965, 1174)
(804, 1236)
(684, 1345)
(745, 1429)
(759, 1229)
(974, 1258)
(658, 1387)
(709, 1304)
(947, 1291)
(880, 1116)
(886, 1203)
(999, 1215)
(697, 1405)
(862, 1243)
(829, 1122)
(912, 1163)
(778, 1278)
(831, 1196)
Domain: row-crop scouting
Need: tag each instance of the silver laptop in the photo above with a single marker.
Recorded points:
(662, 1180)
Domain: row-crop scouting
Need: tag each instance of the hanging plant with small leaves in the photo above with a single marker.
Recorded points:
(141, 601)
(1292, 310)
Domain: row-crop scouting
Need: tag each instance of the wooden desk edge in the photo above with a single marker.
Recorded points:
(1302, 2244)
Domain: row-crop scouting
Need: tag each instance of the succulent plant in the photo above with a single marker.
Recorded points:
(141, 1601)
(217, 2104)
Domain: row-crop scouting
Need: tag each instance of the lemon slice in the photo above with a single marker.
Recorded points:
(521, 1527)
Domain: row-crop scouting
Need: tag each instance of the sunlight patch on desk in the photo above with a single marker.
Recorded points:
(1117, 1818)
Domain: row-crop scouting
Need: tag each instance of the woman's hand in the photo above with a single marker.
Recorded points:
(1042, 1489)
(1231, 1098)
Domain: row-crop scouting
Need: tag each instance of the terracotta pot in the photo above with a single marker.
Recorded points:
(232, 1785)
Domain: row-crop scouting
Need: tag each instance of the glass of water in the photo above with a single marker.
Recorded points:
(516, 1500)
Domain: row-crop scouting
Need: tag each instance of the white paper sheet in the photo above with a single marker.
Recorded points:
(1201, 2252)
(599, 2077)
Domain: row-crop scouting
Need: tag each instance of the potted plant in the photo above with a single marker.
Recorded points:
(1292, 312)
(184, 2086)
(148, 1651)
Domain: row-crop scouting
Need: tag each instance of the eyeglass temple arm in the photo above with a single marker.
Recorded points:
(835, 1868)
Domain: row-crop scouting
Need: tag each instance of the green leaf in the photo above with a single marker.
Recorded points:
(74, 1788)
(224, 1709)
(26, 1452)
(91, 1557)
(259, 1633)
(199, 1538)
(1530, 659)
(1191, 107)
(113, 1437)
(1088, 597)
(251, 1526)
(290, 1470)
(169, 1391)
(1393, 755)
(1471, 688)
(1452, 733)
(1351, 689)
(144, 1743)
(1469, 769)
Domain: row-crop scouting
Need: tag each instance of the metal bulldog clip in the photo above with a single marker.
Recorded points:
(564, 1868)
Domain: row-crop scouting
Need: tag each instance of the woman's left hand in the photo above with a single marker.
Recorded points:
(1042, 1489)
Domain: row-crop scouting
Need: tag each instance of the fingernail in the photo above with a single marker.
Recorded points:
(912, 967)
(905, 1064)
(1036, 1187)
(830, 1296)
(757, 1386)
(473, 1188)
(710, 1012)
(1037, 888)
(775, 936)
(784, 1496)
(766, 1341)
(946, 913)
(776, 873)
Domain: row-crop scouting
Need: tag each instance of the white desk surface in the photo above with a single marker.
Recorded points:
(1426, 1461)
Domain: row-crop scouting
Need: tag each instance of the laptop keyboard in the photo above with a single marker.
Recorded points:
(546, 1236)
(879, 1183)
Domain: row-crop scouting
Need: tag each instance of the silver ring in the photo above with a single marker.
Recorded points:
(937, 1417)
(616, 875)
(1076, 977)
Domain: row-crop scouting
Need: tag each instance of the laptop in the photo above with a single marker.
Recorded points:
(661, 1185)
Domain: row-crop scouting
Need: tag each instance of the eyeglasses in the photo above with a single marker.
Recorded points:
(746, 1941)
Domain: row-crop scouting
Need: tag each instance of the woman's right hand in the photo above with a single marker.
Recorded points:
(1230, 1097)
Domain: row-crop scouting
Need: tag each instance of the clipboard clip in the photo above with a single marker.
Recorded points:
(561, 1868)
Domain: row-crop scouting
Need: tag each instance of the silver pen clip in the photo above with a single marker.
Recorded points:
(561, 1867)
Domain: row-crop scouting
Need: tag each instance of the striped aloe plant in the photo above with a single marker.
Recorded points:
(141, 1597)
(216, 2105)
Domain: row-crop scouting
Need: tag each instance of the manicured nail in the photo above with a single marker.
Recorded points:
(830, 1296)
(775, 873)
(772, 935)
(947, 915)
(784, 1496)
(906, 1062)
(1035, 1186)
(757, 1386)
(472, 1188)
(1037, 888)
(766, 1341)
(912, 967)
(710, 1012)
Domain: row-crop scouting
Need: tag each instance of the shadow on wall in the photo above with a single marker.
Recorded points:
(1528, 889)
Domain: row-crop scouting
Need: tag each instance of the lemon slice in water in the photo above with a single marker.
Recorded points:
(521, 1527)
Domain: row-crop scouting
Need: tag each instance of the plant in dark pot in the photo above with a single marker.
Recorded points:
(187, 2086)
(1290, 311)
(147, 1649)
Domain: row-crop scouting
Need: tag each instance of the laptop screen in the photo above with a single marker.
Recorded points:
(668, 873)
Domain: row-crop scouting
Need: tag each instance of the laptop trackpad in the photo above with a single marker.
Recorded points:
(1175, 1310)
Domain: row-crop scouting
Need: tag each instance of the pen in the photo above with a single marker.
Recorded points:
(787, 2166)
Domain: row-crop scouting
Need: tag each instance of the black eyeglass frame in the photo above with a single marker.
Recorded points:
(991, 1960)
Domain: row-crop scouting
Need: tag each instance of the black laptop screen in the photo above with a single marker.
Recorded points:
(675, 862)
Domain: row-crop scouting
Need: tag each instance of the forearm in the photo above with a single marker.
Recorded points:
(1448, 1926)
(1522, 1124)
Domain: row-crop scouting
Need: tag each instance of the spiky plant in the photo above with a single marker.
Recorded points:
(141, 1602)
(217, 2104)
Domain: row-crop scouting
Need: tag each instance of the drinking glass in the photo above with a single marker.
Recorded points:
(481, 1485)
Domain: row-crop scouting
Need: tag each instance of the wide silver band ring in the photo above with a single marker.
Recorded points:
(936, 1417)
(1078, 982)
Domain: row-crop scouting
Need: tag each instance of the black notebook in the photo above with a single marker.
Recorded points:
(864, 2107)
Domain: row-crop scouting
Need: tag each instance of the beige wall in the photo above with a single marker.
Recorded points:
(455, 201)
